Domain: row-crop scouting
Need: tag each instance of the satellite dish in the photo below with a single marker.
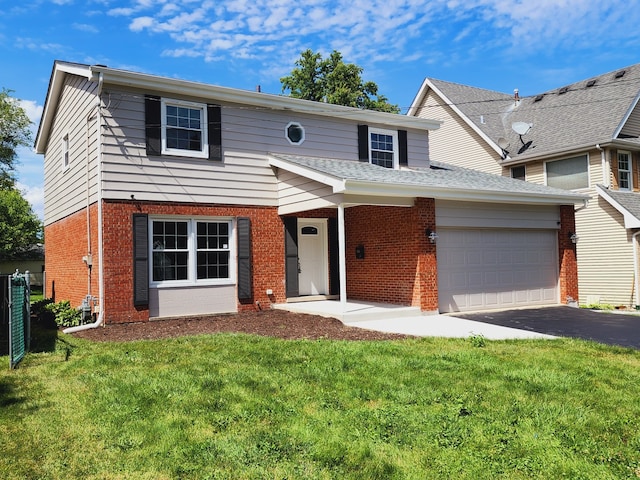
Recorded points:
(503, 143)
(521, 128)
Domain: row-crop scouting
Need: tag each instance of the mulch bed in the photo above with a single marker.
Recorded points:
(270, 323)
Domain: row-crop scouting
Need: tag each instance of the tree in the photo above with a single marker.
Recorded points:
(20, 227)
(14, 133)
(333, 81)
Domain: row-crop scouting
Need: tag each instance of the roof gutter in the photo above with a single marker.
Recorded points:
(258, 99)
(358, 187)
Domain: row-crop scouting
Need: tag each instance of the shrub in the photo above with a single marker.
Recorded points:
(65, 315)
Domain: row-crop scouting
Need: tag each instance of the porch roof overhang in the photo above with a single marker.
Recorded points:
(357, 183)
(627, 203)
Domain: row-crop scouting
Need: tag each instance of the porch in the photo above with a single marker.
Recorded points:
(350, 311)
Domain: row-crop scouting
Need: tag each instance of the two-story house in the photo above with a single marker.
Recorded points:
(582, 137)
(166, 197)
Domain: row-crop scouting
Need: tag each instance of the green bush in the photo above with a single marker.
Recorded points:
(65, 315)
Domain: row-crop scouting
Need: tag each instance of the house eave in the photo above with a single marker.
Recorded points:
(630, 220)
(56, 82)
(263, 100)
(428, 85)
(357, 187)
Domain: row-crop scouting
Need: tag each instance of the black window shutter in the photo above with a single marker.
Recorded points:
(334, 263)
(245, 283)
(363, 143)
(140, 259)
(403, 156)
(214, 126)
(291, 256)
(153, 124)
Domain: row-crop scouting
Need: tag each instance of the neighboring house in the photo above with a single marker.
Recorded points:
(32, 261)
(166, 197)
(582, 137)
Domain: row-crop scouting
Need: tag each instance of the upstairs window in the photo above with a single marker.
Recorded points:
(383, 149)
(519, 172)
(65, 152)
(569, 173)
(184, 129)
(624, 170)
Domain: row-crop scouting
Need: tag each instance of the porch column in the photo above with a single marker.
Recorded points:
(342, 256)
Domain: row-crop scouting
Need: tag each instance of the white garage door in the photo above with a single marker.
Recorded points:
(496, 268)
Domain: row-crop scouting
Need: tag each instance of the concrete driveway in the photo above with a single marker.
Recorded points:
(562, 321)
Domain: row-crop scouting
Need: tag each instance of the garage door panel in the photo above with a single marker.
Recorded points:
(496, 268)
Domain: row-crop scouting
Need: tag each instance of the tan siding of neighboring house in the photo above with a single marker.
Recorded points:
(455, 142)
(605, 255)
(66, 191)
(604, 250)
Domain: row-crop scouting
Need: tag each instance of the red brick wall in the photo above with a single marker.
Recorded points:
(567, 255)
(400, 264)
(67, 276)
(267, 253)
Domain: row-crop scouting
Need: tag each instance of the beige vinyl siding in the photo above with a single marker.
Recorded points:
(244, 177)
(632, 125)
(605, 255)
(604, 249)
(65, 191)
(455, 142)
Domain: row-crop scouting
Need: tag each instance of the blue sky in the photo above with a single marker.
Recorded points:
(495, 44)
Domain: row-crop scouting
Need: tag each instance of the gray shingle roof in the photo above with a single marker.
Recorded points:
(575, 115)
(629, 200)
(439, 176)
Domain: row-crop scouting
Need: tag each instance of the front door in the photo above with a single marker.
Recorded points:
(313, 256)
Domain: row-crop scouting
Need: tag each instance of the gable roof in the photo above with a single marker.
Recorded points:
(440, 181)
(570, 118)
(627, 203)
(171, 86)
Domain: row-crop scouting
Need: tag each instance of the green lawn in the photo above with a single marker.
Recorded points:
(245, 407)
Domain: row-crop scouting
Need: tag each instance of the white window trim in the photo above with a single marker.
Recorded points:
(286, 133)
(581, 189)
(629, 171)
(204, 152)
(65, 153)
(394, 135)
(191, 280)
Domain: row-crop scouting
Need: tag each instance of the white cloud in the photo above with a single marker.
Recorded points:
(35, 196)
(84, 27)
(141, 23)
(32, 109)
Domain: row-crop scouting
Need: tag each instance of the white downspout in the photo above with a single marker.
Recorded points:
(636, 283)
(342, 257)
(100, 318)
(605, 170)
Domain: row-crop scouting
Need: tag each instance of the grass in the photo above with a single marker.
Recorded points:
(244, 407)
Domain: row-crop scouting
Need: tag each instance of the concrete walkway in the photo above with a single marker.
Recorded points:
(406, 320)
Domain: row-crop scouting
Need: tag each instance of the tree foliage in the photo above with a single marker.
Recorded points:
(14, 133)
(20, 227)
(333, 81)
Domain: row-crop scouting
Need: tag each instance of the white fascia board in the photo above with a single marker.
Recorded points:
(626, 116)
(630, 220)
(415, 105)
(337, 184)
(60, 71)
(258, 99)
(354, 187)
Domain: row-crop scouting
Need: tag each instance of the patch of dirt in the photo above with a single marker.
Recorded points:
(270, 323)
